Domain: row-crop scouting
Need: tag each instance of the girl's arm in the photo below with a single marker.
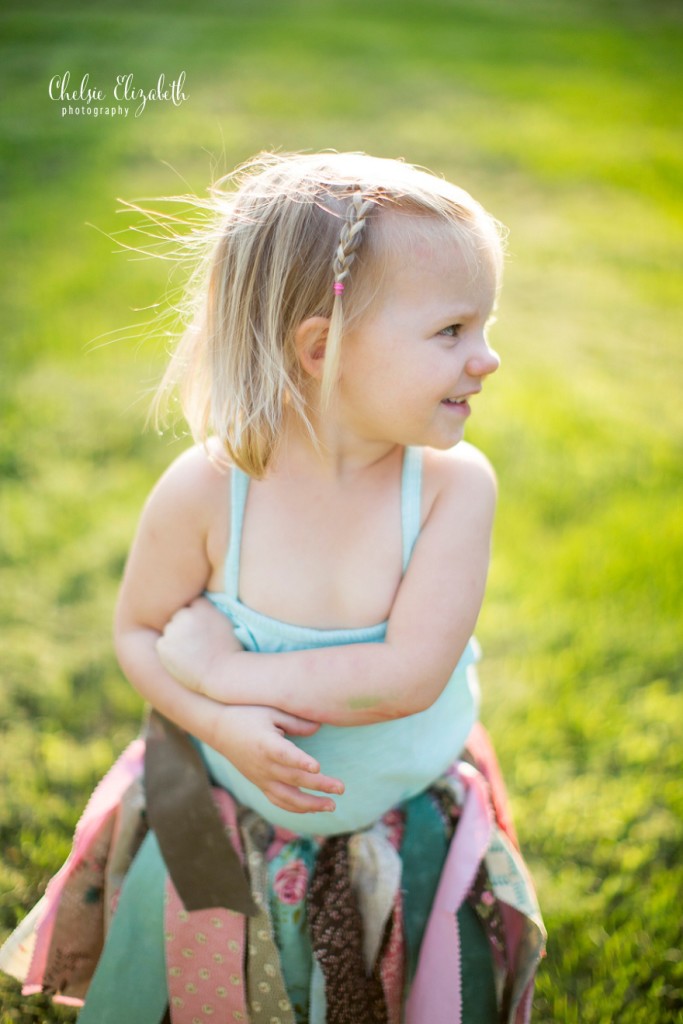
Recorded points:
(168, 567)
(431, 621)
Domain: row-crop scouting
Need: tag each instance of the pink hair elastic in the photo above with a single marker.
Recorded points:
(338, 287)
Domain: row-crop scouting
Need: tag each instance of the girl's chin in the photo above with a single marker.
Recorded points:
(443, 440)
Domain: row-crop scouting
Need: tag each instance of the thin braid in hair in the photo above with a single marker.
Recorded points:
(351, 236)
(350, 240)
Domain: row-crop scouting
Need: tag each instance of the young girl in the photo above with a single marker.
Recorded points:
(331, 842)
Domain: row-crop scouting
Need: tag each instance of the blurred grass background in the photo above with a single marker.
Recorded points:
(563, 118)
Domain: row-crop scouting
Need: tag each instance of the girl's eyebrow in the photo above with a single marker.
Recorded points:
(458, 313)
(453, 315)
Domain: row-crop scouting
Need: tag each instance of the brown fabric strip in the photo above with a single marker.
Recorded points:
(352, 996)
(198, 854)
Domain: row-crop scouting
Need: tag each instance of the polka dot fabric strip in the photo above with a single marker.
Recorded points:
(205, 952)
(267, 996)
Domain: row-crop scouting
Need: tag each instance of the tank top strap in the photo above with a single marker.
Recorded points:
(411, 501)
(239, 485)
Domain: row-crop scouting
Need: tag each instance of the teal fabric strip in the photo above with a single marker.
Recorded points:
(423, 852)
(239, 485)
(130, 981)
(318, 1004)
(289, 878)
(479, 1005)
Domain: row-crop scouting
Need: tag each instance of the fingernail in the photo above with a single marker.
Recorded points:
(329, 806)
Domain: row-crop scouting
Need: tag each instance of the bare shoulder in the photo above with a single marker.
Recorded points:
(461, 474)
(194, 476)
(193, 492)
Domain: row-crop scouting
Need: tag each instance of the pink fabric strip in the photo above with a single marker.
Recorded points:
(514, 931)
(392, 965)
(481, 748)
(205, 950)
(392, 973)
(102, 803)
(435, 994)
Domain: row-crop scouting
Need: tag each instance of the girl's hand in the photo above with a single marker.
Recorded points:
(194, 641)
(253, 739)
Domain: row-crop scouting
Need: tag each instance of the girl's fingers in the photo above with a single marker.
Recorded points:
(288, 755)
(307, 780)
(291, 799)
(296, 726)
(292, 769)
(295, 768)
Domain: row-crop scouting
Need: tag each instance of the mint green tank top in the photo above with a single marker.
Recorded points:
(383, 764)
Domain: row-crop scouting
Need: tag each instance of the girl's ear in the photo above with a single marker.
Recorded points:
(310, 339)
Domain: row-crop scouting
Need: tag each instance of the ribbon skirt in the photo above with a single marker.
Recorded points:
(179, 905)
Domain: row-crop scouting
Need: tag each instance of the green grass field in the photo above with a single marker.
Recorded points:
(564, 119)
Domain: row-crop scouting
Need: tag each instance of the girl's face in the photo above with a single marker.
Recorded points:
(420, 351)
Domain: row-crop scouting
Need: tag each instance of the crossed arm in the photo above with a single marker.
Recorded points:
(430, 624)
(229, 694)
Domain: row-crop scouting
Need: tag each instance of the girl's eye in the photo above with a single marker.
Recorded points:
(452, 331)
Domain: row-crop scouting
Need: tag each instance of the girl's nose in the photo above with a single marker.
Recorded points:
(484, 362)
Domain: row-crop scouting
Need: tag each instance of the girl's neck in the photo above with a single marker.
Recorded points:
(338, 455)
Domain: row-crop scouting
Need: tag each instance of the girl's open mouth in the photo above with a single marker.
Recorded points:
(460, 405)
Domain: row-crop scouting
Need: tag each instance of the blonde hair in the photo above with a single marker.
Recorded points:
(284, 230)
